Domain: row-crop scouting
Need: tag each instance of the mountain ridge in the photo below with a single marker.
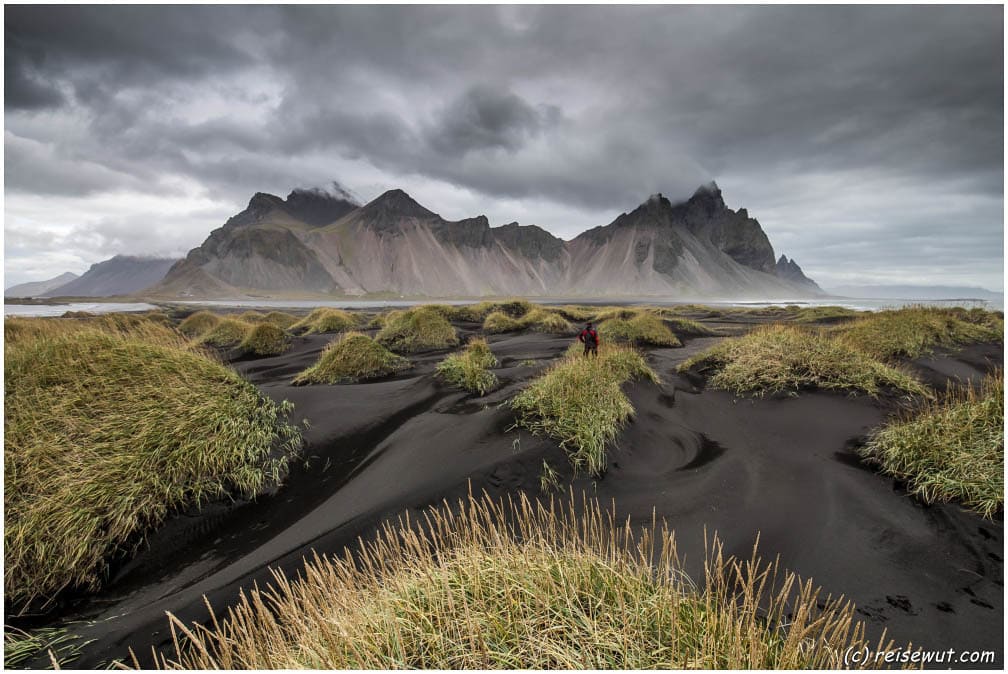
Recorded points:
(395, 245)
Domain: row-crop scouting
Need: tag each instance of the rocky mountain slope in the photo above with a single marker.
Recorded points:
(317, 243)
(120, 275)
(37, 288)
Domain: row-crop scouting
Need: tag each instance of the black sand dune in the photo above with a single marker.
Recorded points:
(704, 460)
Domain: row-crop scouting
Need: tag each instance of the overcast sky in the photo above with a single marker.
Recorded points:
(867, 141)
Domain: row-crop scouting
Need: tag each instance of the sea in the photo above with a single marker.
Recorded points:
(873, 304)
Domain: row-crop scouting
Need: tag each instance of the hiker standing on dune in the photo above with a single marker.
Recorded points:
(589, 337)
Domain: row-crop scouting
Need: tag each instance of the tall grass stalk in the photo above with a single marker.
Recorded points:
(517, 584)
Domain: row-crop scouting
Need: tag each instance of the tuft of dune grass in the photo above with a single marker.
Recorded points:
(498, 321)
(265, 339)
(950, 450)
(829, 314)
(641, 329)
(352, 356)
(913, 331)
(547, 320)
(198, 323)
(580, 403)
(470, 368)
(786, 359)
(251, 316)
(227, 332)
(107, 432)
(522, 584)
(578, 313)
(325, 319)
(21, 646)
(417, 329)
(281, 319)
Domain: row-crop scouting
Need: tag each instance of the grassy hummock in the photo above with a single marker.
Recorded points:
(913, 331)
(470, 368)
(227, 332)
(417, 329)
(265, 339)
(786, 359)
(951, 450)
(579, 401)
(198, 324)
(641, 329)
(107, 432)
(353, 356)
(281, 319)
(521, 584)
(325, 319)
(498, 321)
(547, 320)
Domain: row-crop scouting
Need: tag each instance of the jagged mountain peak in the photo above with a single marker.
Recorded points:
(399, 203)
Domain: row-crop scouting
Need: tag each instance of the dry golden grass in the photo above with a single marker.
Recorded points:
(498, 321)
(281, 319)
(108, 430)
(950, 450)
(516, 584)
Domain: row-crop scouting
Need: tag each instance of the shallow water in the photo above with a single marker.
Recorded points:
(60, 309)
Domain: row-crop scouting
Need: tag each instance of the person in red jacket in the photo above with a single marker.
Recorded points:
(589, 337)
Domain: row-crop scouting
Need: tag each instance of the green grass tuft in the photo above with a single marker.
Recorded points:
(353, 356)
(951, 450)
(58, 643)
(198, 324)
(579, 402)
(265, 339)
(281, 319)
(546, 320)
(913, 331)
(227, 332)
(787, 359)
(325, 319)
(417, 329)
(498, 321)
(470, 369)
(641, 329)
(107, 432)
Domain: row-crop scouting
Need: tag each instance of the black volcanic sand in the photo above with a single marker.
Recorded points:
(702, 459)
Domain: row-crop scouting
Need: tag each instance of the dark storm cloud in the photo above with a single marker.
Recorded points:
(805, 113)
(483, 118)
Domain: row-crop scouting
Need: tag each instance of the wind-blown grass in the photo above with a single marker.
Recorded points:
(227, 332)
(265, 339)
(417, 329)
(109, 431)
(579, 402)
(352, 356)
(913, 331)
(788, 359)
(470, 368)
(641, 329)
(198, 323)
(281, 319)
(498, 321)
(325, 319)
(518, 584)
(251, 316)
(951, 450)
(58, 643)
(546, 320)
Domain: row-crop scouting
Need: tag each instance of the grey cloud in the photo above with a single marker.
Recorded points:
(487, 118)
(590, 108)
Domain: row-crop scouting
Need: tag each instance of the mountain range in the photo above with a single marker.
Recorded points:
(317, 243)
(37, 288)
